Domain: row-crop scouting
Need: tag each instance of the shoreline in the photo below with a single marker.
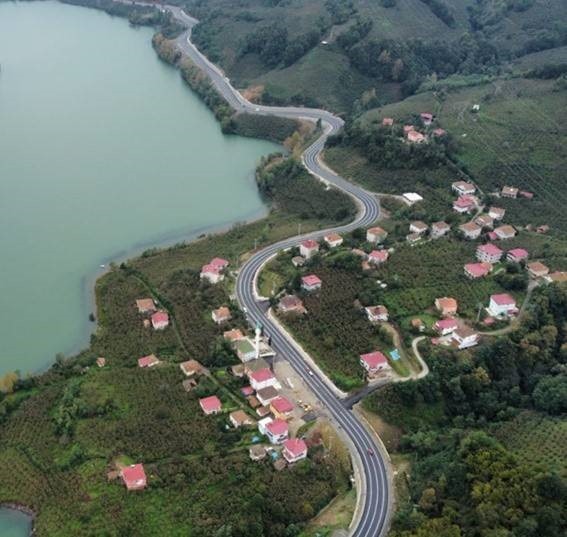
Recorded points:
(24, 509)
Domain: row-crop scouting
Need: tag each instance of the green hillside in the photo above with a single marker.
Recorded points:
(341, 53)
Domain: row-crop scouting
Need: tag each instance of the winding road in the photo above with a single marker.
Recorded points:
(373, 485)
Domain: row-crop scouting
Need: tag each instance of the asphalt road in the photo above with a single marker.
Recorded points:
(374, 487)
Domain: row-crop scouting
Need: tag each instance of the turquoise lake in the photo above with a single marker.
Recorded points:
(103, 152)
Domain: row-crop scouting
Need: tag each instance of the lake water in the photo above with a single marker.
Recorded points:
(103, 152)
(14, 524)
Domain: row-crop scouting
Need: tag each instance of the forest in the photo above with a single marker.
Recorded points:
(465, 481)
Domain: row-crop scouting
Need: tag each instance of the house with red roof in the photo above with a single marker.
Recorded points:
(477, 270)
(212, 273)
(160, 320)
(219, 262)
(310, 283)
(233, 335)
(517, 255)
(484, 221)
(526, 194)
(408, 128)
(376, 234)
(291, 304)
(308, 248)
(374, 362)
(505, 232)
(462, 188)
(145, 305)
(470, 230)
(415, 137)
(445, 326)
(262, 378)
(281, 407)
(294, 449)
(376, 314)
(210, 405)
(502, 305)
(277, 431)
(465, 204)
(537, 269)
(134, 477)
(377, 257)
(387, 122)
(489, 253)
(438, 133)
(148, 361)
(446, 306)
(239, 418)
(464, 338)
(221, 315)
(333, 240)
(191, 368)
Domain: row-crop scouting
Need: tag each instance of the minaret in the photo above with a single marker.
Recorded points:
(257, 340)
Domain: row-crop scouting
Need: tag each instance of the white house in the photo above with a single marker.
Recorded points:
(418, 227)
(489, 253)
(502, 305)
(212, 273)
(376, 234)
(308, 248)
(377, 314)
(439, 229)
(374, 362)
(470, 230)
(464, 337)
(262, 379)
(294, 449)
(462, 188)
(311, 282)
(412, 197)
(333, 240)
(277, 431)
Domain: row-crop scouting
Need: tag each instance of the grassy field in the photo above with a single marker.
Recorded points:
(537, 439)
(517, 138)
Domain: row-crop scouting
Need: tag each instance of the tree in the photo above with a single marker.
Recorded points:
(550, 394)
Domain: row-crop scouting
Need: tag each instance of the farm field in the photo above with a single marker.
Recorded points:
(517, 138)
(417, 275)
(537, 439)
(335, 330)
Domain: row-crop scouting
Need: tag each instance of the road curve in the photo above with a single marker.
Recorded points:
(374, 488)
